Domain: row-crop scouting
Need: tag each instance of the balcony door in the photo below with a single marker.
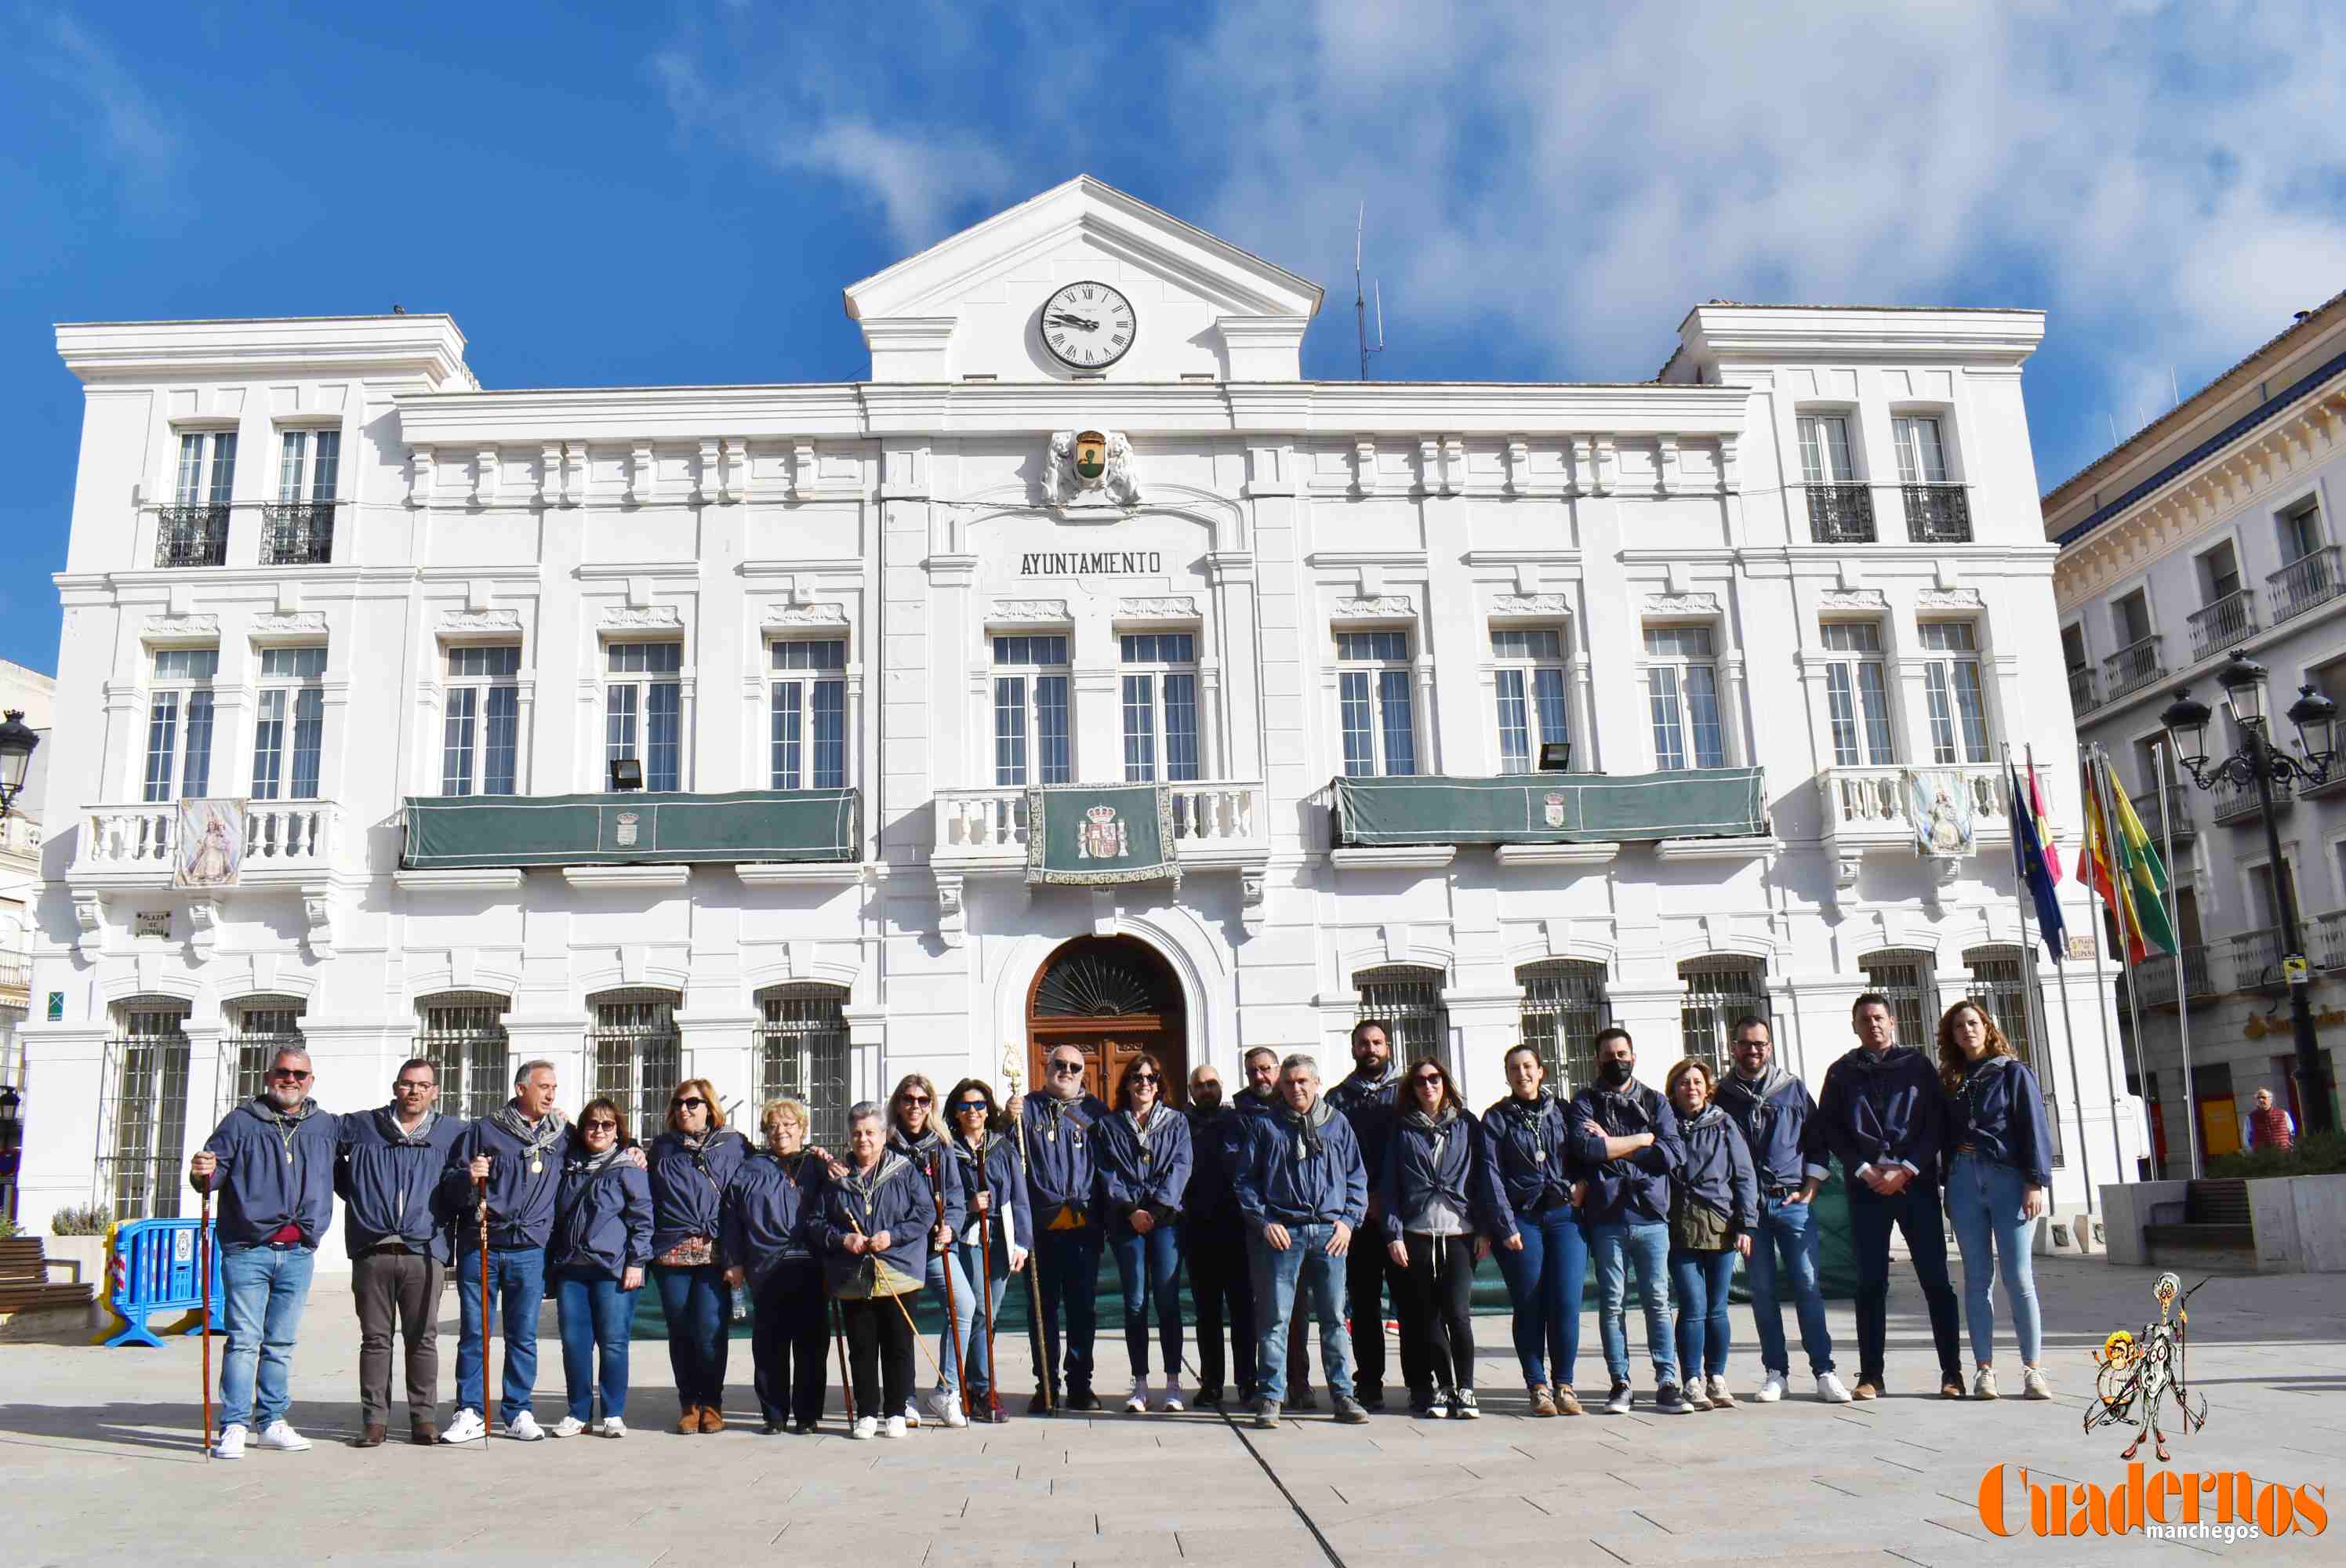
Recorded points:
(1111, 997)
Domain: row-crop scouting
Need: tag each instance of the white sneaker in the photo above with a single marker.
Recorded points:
(1829, 1391)
(1984, 1384)
(568, 1426)
(1171, 1403)
(912, 1416)
(867, 1428)
(1138, 1404)
(524, 1428)
(2032, 1385)
(467, 1427)
(946, 1407)
(1722, 1397)
(612, 1426)
(894, 1428)
(280, 1435)
(1771, 1388)
(229, 1443)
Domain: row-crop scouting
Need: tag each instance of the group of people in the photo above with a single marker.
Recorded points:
(1290, 1205)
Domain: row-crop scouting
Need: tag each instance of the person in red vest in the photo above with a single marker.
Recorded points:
(2267, 1126)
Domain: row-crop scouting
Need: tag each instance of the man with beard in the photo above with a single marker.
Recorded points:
(1368, 1100)
(1213, 1238)
(512, 1161)
(387, 1174)
(272, 1160)
(1624, 1136)
(1779, 1123)
(1056, 1123)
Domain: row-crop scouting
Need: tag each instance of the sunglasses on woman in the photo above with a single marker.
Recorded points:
(972, 1107)
(689, 1103)
(600, 1127)
(1144, 1078)
(916, 1099)
(1429, 1078)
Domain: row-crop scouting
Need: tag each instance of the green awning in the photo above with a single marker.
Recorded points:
(451, 831)
(1551, 807)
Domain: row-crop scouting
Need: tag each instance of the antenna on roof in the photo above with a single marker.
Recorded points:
(1360, 300)
(2174, 387)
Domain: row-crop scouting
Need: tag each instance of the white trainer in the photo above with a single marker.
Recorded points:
(1138, 1404)
(2032, 1385)
(568, 1426)
(522, 1428)
(1830, 1390)
(912, 1416)
(612, 1426)
(280, 1435)
(1722, 1397)
(866, 1429)
(1984, 1384)
(894, 1428)
(229, 1444)
(467, 1427)
(1172, 1404)
(946, 1407)
(1771, 1388)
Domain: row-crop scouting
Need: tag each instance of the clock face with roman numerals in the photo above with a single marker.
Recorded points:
(1087, 326)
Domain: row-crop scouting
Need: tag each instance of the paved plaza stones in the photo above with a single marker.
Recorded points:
(100, 1462)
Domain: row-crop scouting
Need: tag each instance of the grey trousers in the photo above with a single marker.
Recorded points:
(406, 1284)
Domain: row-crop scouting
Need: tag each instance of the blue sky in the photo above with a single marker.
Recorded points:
(676, 193)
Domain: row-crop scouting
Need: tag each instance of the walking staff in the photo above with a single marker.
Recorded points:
(204, 1271)
(846, 1384)
(953, 1311)
(488, 1399)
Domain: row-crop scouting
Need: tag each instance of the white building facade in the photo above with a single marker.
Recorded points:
(1084, 525)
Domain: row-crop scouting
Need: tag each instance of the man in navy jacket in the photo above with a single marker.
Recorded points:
(1627, 1137)
(1062, 1186)
(387, 1172)
(272, 1160)
(1369, 1100)
(1213, 1240)
(1884, 1118)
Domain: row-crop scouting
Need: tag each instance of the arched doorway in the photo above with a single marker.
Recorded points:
(1114, 997)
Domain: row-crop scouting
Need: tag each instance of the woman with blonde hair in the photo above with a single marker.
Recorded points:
(690, 1164)
(916, 1132)
(1714, 1206)
(1996, 1180)
(768, 1205)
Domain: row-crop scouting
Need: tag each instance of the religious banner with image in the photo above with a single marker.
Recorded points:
(1939, 804)
(210, 851)
(1091, 835)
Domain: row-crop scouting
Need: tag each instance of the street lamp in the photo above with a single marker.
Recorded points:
(18, 740)
(2259, 761)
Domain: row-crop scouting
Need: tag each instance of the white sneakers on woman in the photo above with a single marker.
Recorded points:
(612, 1426)
(868, 1427)
(1138, 1404)
(1171, 1403)
(567, 1427)
(946, 1407)
(2032, 1385)
(894, 1428)
(1830, 1390)
(1984, 1384)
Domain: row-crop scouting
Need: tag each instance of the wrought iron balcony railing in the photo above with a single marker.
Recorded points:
(2156, 809)
(2218, 626)
(2084, 689)
(1840, 514)
(2235, 802)
(1937, 513)
(297, 534)
(2132, 668)
(191, 536)
(2313, 578)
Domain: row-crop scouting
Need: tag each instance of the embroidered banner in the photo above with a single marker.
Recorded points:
(210, 849)
(1550, 808)
(733, 827)
(1088, 835)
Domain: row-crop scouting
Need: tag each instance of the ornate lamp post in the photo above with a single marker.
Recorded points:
(2259, 761)
(18, 740)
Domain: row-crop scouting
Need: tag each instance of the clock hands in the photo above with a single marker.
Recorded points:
(1061, 319)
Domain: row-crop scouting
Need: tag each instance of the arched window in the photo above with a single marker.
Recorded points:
(1407, 1000)
(1564, 1007)
(143, 1110)
(463, 1034)
(1716, 990)
(802, 1054)
(262, 1025)
(1903, 974)
(2000, 979)
(635, 1054)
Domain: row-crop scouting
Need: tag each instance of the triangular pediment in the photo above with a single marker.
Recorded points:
(972, 305)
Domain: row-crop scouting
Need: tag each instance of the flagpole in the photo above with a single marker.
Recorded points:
(2068, 1024)
(2032, 998)
(2182, 990)
(2133, 991)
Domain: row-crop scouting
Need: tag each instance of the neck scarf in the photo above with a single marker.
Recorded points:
(1709, 1112)
(535, 1137)
(1760, 1090)
(388, 1120)
(865, 1185)
(286, 1125)
(1306, 1126)
(587, 1164)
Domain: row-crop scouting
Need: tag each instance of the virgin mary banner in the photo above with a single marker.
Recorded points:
(1090, 835)
(1939, 804)
(210, 850)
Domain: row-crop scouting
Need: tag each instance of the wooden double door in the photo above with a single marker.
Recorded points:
(1113, 998)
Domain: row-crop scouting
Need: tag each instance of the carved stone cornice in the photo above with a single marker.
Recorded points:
(1853, 599)
(1027, 610)
(471, 621)
(652, 618)
(1682, 604)
(813, 615)
(1531, 604)
(1948, 600)
(1162, 607)
(1379, 607)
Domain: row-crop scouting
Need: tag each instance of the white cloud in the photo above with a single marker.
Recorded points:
(132, 131)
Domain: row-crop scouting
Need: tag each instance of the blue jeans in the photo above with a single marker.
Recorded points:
(265, 1289)
(1276, 1277)
(965, 1312)
(1983, 1200)
(973, 1322)
(517, 1276)
(1544, 1281)
(1789, 1232)
(1158, 1253)
(699, 1306)
(1066, 1264)
(595, 1315)
(1701, 1279)
(1643, 1245)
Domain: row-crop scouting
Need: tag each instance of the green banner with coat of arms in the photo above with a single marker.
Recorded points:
(1090, 835)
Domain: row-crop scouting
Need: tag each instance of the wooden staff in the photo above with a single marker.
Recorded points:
(945, 1268)
(846, 1386)
(985, 1283)
(1046, 1372)
(204, 1272)
(899, 1300)
(488, 1400)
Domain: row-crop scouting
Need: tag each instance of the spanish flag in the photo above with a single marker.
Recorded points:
(2125, 870)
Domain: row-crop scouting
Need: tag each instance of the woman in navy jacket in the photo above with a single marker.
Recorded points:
(916, 1130)
(1436, 1198)
(875, 1228)
(594, 1259)
(690, 1164)
(1714, 1206)
(997, 1232)
(1997, 1177)
(768, 1205)
(1527, 1143)
(1145, 1161)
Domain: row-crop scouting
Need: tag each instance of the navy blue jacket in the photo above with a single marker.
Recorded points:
(1002, 1178)
(1717, 1172)
(768, 1205)
(930, 1159)
(390, 1183)
(1292, 1176)
(521, 1200)
(1212, 1134)
(1370, 1104)
(602, 1222)
(688, 1188)
(1246, 1103)
(900, 1205)
(1529, 1148)
(267, 1182)
(1636, 1189)
(1062, 1153)
(1130, 1179)
(1885, 1112)
(1462, 1176)
(1779, 1124)
(2000, 1113)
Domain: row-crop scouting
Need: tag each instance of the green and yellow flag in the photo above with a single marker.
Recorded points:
(2122, 866)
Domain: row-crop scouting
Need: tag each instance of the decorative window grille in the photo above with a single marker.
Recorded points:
(480, 728)
(2000, 981)
(1715, 991)
(1374, 704)
(807, 715)
(1905, 975)
(143, 1114)
(802, 1054)
(1564, 1007)
(635, 1055)
(643, 716)
(463, 1038)
(1408, 1001)
(1159, 692)
(264, 1027)
(1530, 679)
(1030, 710)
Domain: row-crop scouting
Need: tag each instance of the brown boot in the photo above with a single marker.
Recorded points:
(712, 1419)
(422, 1434)
(1566, 1402)
(371, 1438)
(687, 1419)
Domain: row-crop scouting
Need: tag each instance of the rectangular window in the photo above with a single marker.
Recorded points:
(1951, 681)
(1682, 698)
(1030, 710)
(291, 717)
(480, 728)
(1530, 677)
(1160, 693)
(307, 465)
(1922, 459)
(1857, 693)
(643, 710)
(1824, 449)
(1375, 704)
(2300, 530)
(808, 707)
(2220, 568)
(179, 724)
(207, 469)
(2131, 616)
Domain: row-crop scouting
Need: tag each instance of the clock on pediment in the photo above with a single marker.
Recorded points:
(1087, 326)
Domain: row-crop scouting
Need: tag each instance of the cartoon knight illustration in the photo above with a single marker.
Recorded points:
(2138, 1374)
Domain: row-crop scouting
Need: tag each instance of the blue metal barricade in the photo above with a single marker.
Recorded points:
(150, 1268)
